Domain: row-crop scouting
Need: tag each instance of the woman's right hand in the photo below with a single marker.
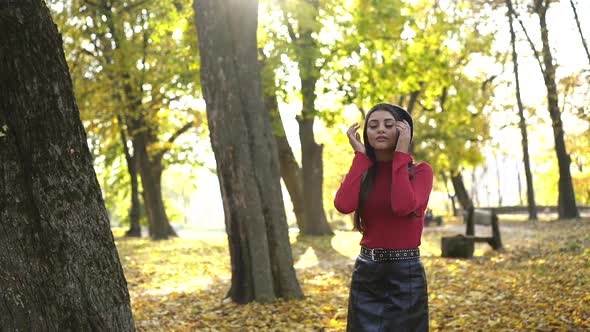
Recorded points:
(355, 139)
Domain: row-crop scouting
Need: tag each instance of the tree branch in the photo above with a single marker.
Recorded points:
(537, 55)
(580, 29)
(283, 6)
(172, 138)
(180, 131)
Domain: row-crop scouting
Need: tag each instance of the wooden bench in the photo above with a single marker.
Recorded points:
(462, 246)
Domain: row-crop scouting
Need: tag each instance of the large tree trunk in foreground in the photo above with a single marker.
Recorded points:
(532, 207)
(247, 161)
(567, 197)
(60, 270)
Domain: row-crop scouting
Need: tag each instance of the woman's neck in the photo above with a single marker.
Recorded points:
(383, 155)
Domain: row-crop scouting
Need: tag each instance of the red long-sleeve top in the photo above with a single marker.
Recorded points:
(393, 215)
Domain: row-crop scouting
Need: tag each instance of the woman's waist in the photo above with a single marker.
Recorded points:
(398, 238)
(384, 255)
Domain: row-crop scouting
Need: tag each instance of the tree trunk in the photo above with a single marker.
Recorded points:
(134, 210)
(567, 197)
(451, 197)
(291, 174)
(532, 207)
(519, 179)
(290, 170)
(461, 192)
(306, 54)
(313, 179)
(498, 180)
(474, 193)
(246, 155)
(151, 175)
(149, 168)
(580, 29)
(60, 268)
(311, 152)
(410, 108)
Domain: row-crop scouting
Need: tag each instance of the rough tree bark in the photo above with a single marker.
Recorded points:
(246, 155)
(532, 206)
(60, 268)
(567, 198)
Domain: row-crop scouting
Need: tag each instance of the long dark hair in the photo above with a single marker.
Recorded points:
(368, 181)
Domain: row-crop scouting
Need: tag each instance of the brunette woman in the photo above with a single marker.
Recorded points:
(388, 193)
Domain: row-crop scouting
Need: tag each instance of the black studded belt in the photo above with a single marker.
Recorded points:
(387, 255)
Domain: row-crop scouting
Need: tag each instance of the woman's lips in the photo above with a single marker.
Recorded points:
(381, 138)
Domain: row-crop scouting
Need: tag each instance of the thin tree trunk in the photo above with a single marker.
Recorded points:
(134, 210)
(519, 179)
(311, 155)
(290, 170)
(149, 168)
(246, 155)
(124, 126)
(151, 174)
(313, 177)
(291, 174)
(498, 180)
(306, 52)
(461, 192)
(410, 108)
(580, 29)
(474, 193)
(567, 197)
(60, 268)
(532, 206)
(451, 197)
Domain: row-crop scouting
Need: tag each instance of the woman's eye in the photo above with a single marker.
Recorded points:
(373, 127)
(388, 126)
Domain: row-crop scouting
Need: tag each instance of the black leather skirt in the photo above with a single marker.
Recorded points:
(388, 296)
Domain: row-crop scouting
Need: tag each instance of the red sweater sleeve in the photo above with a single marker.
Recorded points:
(347, 196)
(407, 195)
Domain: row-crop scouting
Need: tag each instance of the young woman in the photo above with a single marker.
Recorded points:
(389, 194)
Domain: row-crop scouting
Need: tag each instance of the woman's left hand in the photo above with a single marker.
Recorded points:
(404, 136)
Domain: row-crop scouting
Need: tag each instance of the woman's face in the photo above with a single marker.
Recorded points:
(381, 131)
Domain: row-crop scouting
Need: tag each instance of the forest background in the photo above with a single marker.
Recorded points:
(189, 119)
(454, 57)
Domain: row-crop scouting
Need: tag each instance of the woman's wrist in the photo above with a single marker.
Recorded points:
(403, 146)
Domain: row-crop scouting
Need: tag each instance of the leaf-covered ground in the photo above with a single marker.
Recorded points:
(541, 282)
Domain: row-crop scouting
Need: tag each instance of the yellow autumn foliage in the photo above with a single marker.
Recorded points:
(541, 282)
